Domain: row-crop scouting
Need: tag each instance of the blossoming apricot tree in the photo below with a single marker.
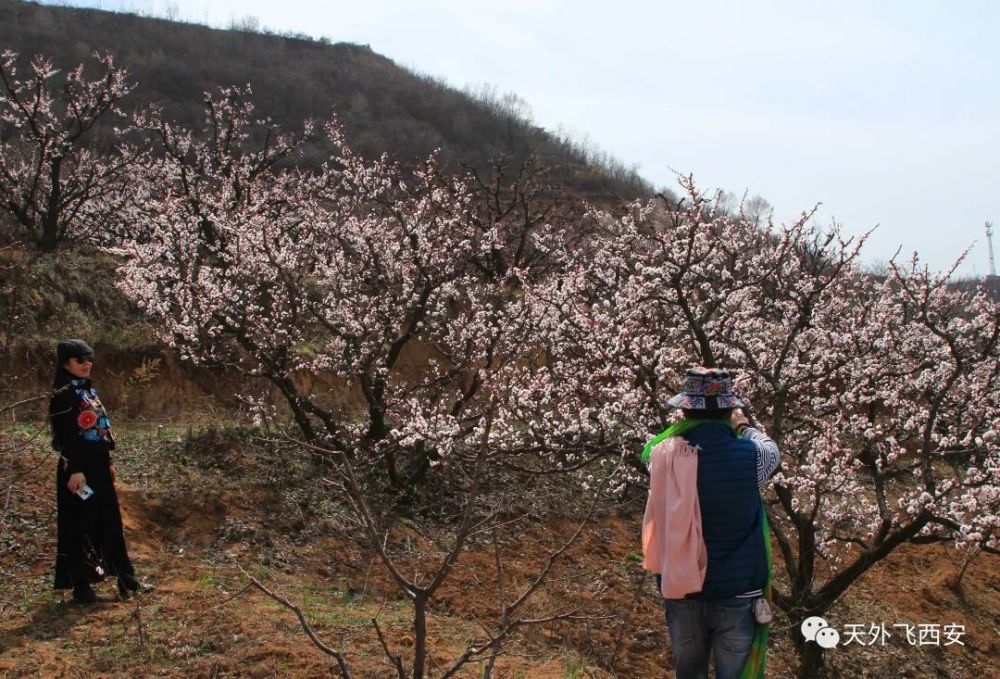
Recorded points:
(403, 290)
(881, 392)
(467, 330)
(53, 180)
(283, 272)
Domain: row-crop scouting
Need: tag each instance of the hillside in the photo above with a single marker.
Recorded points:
(383, 107)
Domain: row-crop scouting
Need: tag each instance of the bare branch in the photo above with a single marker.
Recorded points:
(395, 659)
(345, 671)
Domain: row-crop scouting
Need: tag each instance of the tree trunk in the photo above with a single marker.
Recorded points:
(810, 660)
(287, 388)
(810, 654)
(419, 635)
(49, 239)
(50, 220)
(392, 470)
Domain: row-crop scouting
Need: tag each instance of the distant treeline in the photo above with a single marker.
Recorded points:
(382, 106)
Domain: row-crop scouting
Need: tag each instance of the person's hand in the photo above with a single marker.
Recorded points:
(76, 482)
(739, 420)
(114, 474)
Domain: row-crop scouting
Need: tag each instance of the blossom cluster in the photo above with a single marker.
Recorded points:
(446, 319)
(53, 181)
(881, 391)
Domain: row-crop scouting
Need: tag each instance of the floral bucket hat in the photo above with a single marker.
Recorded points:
(706, 389)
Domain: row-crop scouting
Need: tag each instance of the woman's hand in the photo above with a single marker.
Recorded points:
(76, 482)
(114, 474)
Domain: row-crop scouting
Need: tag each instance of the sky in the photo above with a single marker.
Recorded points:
(885, 113)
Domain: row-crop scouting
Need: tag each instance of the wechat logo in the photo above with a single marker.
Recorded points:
(816, 629)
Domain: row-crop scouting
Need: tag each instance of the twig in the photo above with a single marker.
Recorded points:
(559, 470)
(396, 660)
(508, 624)
(955, 581)
(357, 499)
(504, 612)
(137, 614)
(364, 585)
(26, 401)
(621, 631)
(234, 596)
(9, 490)
(345, 671)
(473, 652)
(492, 527)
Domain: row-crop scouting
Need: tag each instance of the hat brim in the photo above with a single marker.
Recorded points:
(686, 402)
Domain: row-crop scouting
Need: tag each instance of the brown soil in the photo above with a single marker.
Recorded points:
(190, 526)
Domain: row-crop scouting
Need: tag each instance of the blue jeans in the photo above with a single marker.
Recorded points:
(697, 626)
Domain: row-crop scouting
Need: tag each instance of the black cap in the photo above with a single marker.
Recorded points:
(73, 348)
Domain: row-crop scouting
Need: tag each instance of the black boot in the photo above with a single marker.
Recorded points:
(128, 586)
(83, 594)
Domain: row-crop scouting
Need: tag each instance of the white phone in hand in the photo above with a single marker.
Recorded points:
(85, 492)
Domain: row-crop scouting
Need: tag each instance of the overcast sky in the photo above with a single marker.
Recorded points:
(886, 112)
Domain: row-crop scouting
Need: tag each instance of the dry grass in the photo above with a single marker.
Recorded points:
(198, 506)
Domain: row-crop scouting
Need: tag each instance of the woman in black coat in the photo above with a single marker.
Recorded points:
(90, 540)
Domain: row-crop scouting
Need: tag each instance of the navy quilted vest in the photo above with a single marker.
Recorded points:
(731, 512)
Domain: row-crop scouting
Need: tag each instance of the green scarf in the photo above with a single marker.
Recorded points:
(757, 660)
(679, 429)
